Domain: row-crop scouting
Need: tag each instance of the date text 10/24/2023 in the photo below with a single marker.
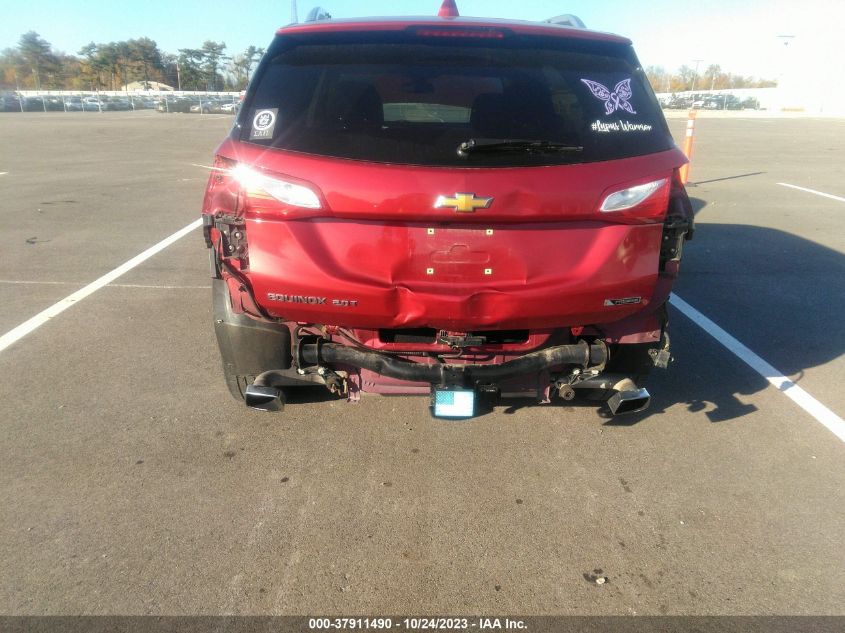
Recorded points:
(416, 624)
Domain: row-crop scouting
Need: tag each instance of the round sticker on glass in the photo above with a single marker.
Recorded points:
(263, 124)
(263, 120)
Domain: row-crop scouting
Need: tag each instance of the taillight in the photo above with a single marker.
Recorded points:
(632, 196)
(643, 201)
(260, 186)
(238, 189)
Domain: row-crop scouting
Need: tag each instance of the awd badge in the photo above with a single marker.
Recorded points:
(463, 203)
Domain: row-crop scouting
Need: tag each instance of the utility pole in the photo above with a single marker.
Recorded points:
(785, 69)
(18, 89)
(294, 18)
(178, 77)
(695, 75)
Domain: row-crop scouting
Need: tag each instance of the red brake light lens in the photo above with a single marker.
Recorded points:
(480, 34)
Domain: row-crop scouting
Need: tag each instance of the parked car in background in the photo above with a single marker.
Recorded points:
(732, 103)
(698, 101)
(722, 102)
(203, 106)
(33, 104)
(117, 103)
(92, 104)
(679, 103)
(218, 107)
(53, 103)
(73, 104)
(174, 104)
(10, 103)
(750, 103)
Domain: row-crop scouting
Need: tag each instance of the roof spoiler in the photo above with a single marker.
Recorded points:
(572, 21)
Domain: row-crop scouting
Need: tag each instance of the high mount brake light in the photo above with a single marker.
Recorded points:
(481, 34)
(631, 197)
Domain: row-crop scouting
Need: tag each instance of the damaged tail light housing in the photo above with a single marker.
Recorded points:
(236, 192)
(638, 201)
(240, 190)
(678, 226)
(632, 196)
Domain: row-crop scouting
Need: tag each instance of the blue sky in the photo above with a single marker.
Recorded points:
(740, 35)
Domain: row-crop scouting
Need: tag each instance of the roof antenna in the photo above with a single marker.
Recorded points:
(294, 18)
(448, 9)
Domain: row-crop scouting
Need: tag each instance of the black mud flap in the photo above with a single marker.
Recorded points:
(247, 347)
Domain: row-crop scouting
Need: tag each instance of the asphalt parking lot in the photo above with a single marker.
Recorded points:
(134, 484)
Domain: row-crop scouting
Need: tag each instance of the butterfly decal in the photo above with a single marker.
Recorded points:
(616, 100)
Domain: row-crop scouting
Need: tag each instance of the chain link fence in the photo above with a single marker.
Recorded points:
(161, 101)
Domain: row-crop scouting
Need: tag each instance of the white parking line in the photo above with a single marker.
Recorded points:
(3, 173)
(143, 286)
(22, 282)
(818, 193)
(41, 318)
(821, 413)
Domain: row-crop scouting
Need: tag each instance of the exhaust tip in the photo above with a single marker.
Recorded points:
(264, 398)
(629, 401)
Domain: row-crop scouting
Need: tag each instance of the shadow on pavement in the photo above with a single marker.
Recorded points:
(704, 182)
(781, 295)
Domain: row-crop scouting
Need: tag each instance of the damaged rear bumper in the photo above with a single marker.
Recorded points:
(466, 375)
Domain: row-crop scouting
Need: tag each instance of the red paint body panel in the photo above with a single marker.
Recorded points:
(542, 275)
(364, 190)
(552, 258)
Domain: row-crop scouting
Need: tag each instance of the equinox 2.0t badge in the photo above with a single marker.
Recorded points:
(463, 203)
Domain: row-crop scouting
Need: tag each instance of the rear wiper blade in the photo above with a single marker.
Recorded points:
(474, 146)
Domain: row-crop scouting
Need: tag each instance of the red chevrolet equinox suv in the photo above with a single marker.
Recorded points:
(463, 208)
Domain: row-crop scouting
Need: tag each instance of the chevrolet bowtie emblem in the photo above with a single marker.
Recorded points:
(463, 203)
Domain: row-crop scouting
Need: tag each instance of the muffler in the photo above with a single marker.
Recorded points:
(264, 398)
(628, 398)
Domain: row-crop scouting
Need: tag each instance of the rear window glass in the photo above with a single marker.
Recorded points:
(408, 98)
